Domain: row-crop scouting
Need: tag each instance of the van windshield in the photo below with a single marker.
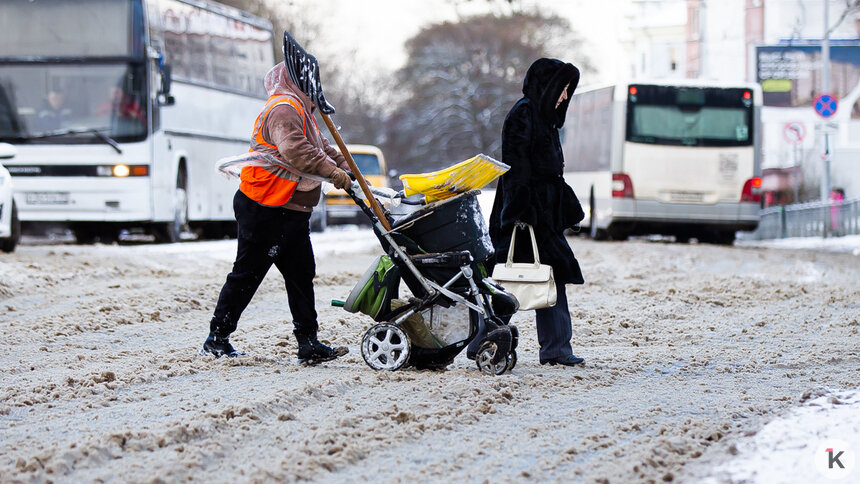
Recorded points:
(367, 164)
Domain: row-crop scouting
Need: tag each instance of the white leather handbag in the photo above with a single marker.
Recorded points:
(532, 283)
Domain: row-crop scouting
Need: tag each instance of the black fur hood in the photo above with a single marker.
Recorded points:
(543, 84)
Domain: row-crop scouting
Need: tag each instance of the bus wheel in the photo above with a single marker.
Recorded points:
(620, 233)
(171, 232)
(725, 238)
(8, 244)
(209, 231)
(594, 232)
(231, 229)
(84, 235)
(718, 237)
(90, 233)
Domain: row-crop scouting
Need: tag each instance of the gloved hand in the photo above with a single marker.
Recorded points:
(340, 179)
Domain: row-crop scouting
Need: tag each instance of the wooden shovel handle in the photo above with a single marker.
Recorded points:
(377, 209)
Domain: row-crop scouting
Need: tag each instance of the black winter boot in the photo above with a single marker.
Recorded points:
(311, 351)
(219, 346)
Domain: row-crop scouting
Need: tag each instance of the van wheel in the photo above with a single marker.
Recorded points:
(8, 244)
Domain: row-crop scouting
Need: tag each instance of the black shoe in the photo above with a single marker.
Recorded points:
(218, 346)
(312, 352)
(569, 360)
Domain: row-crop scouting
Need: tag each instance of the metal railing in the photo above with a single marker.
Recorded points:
(815, 219)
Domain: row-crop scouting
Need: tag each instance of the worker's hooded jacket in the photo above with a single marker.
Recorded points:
(534, 191)
(286, 129)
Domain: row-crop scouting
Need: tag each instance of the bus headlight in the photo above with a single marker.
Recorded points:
(122, 171)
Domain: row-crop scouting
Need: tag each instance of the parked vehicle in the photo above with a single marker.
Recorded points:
(10, 226)
(119, 114)
(339, 207)
(678, 158)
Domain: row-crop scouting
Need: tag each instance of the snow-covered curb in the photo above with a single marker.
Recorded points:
(848, 243)
(794, 448)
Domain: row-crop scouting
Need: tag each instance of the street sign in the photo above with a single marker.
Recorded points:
(794, 132)
(825, 105)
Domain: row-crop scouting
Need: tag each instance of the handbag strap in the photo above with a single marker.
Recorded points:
(510, 261)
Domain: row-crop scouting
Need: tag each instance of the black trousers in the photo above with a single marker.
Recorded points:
(266, 236)
(554, 329)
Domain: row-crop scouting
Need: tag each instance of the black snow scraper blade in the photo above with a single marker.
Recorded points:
(304, 71)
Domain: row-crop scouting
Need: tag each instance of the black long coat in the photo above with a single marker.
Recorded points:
(533, 191)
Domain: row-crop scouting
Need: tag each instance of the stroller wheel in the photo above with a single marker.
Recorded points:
(385, 347)
(484, 360)
(512, 360)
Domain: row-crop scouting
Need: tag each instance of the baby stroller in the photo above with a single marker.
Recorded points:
(442, 252)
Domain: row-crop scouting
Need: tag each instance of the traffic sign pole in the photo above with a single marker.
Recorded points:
(825, 105)
(825, 87)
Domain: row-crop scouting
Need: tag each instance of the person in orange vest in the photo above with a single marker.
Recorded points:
(273, 207)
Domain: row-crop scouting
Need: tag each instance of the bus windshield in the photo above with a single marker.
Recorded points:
(38, 99)
(668, 115)
(59, 28)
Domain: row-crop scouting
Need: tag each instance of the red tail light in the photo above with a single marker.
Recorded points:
(622, 187)
(752, 190)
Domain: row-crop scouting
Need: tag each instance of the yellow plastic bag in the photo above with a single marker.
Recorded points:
(472, 174)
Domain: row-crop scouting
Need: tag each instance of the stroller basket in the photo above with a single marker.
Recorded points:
(449, 225)
(440, 251)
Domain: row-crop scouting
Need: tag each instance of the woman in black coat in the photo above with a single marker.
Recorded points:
(534, 192)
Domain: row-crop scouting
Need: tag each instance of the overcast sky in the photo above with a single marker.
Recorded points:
(377, 29)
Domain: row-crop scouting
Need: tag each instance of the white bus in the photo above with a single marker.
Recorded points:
(105, 140)
(679, 158)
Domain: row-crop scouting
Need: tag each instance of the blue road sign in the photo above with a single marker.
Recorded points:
(825, 105)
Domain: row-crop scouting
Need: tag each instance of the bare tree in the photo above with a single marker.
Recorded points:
(460, 80)
(358, 112)
(851, 6)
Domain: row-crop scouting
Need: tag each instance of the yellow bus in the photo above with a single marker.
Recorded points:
(339, 208)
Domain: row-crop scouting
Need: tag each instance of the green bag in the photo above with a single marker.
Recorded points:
(372, 294)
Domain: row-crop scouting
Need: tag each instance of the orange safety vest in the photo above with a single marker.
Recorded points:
(272, 186)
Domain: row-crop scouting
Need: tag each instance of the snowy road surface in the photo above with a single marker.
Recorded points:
(690, 349)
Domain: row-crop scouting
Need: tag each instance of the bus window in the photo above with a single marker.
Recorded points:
(107, 98)
(690, 116)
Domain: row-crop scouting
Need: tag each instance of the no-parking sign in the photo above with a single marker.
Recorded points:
(794, 132)
(825, 105)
